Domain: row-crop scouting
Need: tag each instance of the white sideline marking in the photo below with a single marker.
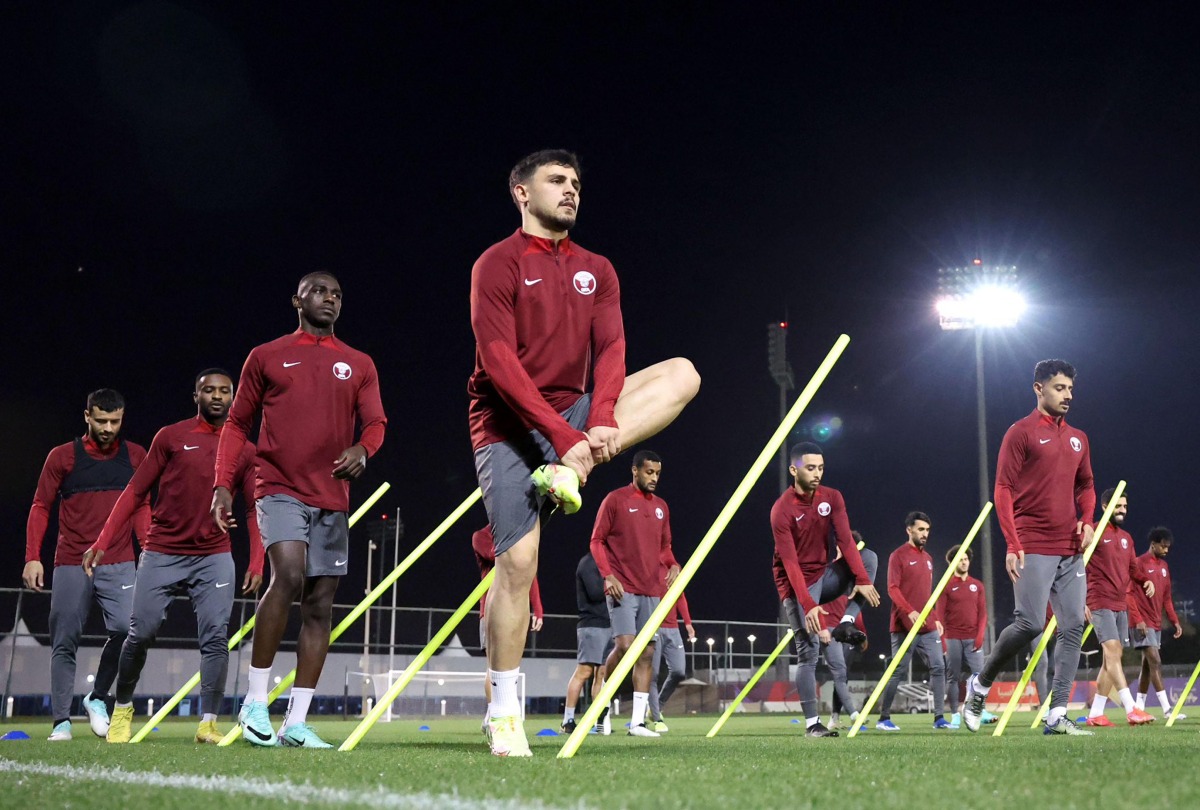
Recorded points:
(275, 790)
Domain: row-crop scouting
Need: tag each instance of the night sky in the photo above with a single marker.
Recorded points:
(171, 170)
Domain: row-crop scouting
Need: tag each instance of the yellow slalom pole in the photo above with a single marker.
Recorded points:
(418, 663)
(1041, 712)
(237, 637)
(373, 596)
(1187, 690)
(865, 711)
(706, 544)
(717, 726)
(1052, 625)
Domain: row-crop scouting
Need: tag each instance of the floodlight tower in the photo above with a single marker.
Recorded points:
(980, 297)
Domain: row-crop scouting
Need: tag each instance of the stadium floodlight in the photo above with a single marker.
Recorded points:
(752, 638)
(981, 297)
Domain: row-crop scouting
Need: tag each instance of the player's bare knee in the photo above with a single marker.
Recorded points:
(684, 379)
(516, 567)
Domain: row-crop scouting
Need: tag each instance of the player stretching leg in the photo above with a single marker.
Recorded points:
(547, 316)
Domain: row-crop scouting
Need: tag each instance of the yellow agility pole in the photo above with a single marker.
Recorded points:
(373, 596)
(1052, 625)
(766, 457)
(1045, 707)
(717, 726)
(865, 711)
(237, 637)
(1187, 690)
(418, 663)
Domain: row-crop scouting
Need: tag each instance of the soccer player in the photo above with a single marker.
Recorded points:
(631, 543)
(1045, 503)
(184, 551)
(963, 611)
(803, 519)
(669, 647)
(1114, 565)
(547, 316)
(485, 556)
(309, 387)
(86, 476)
(593, 634)
(1145, 613)
(910, 584)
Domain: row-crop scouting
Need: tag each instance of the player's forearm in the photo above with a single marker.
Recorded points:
(519, 393)
(682, 607)
(600, 555)
(608, 379)
(229, 451)
(535, 600)
(35, 530)
(1003, 497)
(371, 437)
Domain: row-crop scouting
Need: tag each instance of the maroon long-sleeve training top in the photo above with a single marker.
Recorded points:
(910, 584)
(1113, 566)
(801, 526)
(962, 609)
(1149, 609)
(631, 540)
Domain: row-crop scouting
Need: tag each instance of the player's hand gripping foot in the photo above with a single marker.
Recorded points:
(819, 730)
(255, 721)
(508, 737)
(97, 714)
(1137, 717)
(847, 633)
(301, 735)
(640, 730)
(1066, 725)
(121, 727)
(1100, 721)
(972, 712)
(208, 734)
(560, 483)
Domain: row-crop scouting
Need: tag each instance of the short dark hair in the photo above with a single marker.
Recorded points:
(642, 456)
(913, 517)
(1106, 498)
(106, 399)
(1046, 369)
(1161, 535)
(527, 166)
(307, 277)
(804, 449)
(970, 553)
(208, 371)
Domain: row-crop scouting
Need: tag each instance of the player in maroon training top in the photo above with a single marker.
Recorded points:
(86, 476)
(803, 520)
(631, 543)
(963, 611)
(547, 320)
(1113, 567)
(184, 551)
(1045, 503)
(310, 388)
(1145, 616)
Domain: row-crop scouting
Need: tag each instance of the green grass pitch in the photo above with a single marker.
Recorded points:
(756, 761)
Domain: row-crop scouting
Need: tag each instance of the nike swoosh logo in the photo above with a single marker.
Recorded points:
(222, 584)
(1107, 539)
(126, 587)
(912, 562)
(1081, 573)
(800, 518)
(339, 562)
(954, 589)
(531, 282)
(289, 365)
(191, 447)
(1044, 441)
(632, 510)
(257, 733)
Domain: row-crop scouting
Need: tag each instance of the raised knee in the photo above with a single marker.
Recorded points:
(684, 378)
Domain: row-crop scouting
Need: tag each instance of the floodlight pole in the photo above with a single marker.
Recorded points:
(781, 372)
(985, 537)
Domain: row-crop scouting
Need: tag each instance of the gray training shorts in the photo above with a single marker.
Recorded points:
(630, 615)
(503, 469)
(1111, 625)
(593, 644)
(325, 532)
(1151, 638)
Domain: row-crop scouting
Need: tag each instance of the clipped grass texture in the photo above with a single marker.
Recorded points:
(757, 761)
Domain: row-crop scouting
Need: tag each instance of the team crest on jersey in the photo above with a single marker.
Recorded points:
(974, 588)
(1124, 544)
(1076, 445)
(658, 512)
(342, 371)
(585, 282)
(823, 508)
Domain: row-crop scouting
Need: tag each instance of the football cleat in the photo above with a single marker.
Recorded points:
(97, 714)
(942, 724)
(255, 721)
(560, 484)
(207, 733)
(568, 727)
(1066, 725)
(121, 727)
(640, 730)
(1100, 721)
(507, 737)
(1137, 717)
(61, 732)
(847, 633)
(818, 730)
(660, 727)
(887, 725)
(972, 710)
(301, 735)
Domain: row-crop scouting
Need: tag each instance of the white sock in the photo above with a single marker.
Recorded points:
(297, 710)
(120, 705)
(1141, 701)
(1055, 715)
(1098, 705)
(208, 717)
(505, 702)
(260, 684)
(640, 701)
(569, 714)
(1164, 701)
(809, 722)
(1126, 698)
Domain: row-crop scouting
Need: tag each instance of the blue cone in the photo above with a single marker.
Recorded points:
(423, 728)
(547, 732)
(15, 735)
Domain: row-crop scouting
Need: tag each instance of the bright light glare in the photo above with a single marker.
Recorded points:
(752, 638)
(730, 639)
(987, 306)
(712, 641)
